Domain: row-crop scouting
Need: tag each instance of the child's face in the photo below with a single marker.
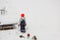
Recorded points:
(22, 18)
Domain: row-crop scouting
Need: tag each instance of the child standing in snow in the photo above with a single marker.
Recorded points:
(22, 23)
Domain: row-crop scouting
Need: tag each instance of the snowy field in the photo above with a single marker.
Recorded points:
(42, 17)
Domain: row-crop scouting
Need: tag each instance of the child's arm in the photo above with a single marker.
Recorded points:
(18, 24)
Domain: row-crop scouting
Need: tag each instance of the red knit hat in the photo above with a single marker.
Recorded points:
(22, 15)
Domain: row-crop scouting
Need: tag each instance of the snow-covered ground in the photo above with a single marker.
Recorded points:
(14, 34)
(42, 17)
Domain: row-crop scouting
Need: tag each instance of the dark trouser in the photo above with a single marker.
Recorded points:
(22, 28)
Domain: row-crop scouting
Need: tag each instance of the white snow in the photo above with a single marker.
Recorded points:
(42, 17)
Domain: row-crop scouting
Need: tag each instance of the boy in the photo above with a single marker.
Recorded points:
(22, 23)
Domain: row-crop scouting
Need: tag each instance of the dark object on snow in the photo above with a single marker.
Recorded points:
(34, 38)
(7, 27)
(28, 35)
(21, 36)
